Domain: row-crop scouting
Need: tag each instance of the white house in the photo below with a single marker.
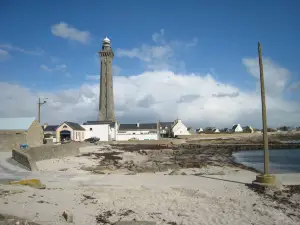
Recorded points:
(216, 130)
(104, 130)
(237, 128)
(179, 128)
(50, 132)
(248, 129)
(137, 131)
(70, 131)
(199, 130)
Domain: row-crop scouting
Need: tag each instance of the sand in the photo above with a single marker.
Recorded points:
(209, 195)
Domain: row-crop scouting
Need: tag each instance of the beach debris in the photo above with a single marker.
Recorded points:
(104, 217)
(88, 197)
(35, 183)
(68, 216)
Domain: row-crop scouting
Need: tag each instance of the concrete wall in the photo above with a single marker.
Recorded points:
(126, 137)
(24, 159)
(35, 134)
(11, 139)
(99, 130)
(29, 157)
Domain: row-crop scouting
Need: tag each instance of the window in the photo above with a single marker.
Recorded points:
(91, 129)
(65, 126)
(76, 135)
(82, 135)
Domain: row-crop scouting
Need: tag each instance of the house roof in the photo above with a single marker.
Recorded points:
(51, 128)
(98, 122)
(19, 123)
(142, 126)
(235, 126)
(74, 126)
(166, 124)
(145, 126)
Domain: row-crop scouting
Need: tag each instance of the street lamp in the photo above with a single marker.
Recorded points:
(265, 179)
(39, 108)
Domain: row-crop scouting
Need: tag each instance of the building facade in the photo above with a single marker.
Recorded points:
(138, 131)
(69, 131)
(105, 131)
(237, 128)
(179, 128)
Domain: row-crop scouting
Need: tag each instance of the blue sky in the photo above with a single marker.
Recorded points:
(220, 33)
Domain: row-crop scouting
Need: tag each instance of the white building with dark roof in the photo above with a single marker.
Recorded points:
(20, 131)
(151, 131)
(104, 130)
(138, 131)
(237, 128)
(70, 131)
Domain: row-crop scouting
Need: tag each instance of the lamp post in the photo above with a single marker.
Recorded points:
(39, 108)
(265, 179)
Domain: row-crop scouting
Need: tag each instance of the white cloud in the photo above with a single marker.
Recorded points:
(10, 47)
(161, 55)
(199, 100)
(66, 31)
(57, 68)
(276, 77)
(4, 55)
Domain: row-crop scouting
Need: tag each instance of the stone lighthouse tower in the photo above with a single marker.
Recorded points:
(106, 100)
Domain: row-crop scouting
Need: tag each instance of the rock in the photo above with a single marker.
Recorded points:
(131, 173)
(183, 173)
(174, 172)
(35, 183)
(68, 216)
(98, 172)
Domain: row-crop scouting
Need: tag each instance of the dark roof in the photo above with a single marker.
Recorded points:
(166, 124)
(98, 122)
(51, 128)
(74, 126)
(234, 126)
(142, 126)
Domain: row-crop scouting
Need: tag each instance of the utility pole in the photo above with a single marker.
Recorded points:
(39, 109)
(265, 179)
(264, 113)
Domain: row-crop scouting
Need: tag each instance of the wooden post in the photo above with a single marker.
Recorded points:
(264, 113)
(39, 110)
(265, 179)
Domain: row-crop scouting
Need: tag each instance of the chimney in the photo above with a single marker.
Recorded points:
(45, 125)
(138, 125)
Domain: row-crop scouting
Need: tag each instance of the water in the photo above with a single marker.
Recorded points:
(281, 160)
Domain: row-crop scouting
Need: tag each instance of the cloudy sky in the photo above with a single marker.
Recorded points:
(193, 60)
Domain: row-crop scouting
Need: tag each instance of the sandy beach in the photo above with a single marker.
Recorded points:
(105, 184)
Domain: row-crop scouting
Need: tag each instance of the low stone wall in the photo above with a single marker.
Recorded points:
(24, 159)
(29, 157)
